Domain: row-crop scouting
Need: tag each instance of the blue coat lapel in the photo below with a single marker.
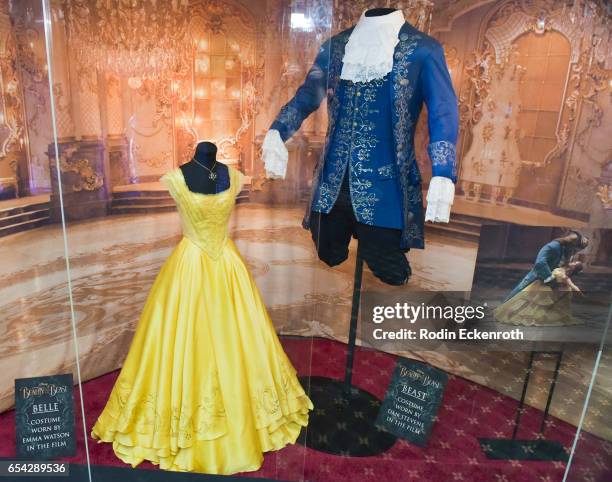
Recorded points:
(403, 122)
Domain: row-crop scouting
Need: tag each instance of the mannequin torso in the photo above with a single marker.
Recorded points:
(197, 172)
(377, 12)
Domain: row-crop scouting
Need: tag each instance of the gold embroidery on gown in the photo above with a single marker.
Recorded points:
(539, 305)
(206, 385)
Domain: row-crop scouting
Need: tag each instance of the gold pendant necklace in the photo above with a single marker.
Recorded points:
(212, 175)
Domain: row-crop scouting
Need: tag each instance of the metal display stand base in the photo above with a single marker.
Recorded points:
(540, 449)
(342, 425)
(344, 416)
(513, 449)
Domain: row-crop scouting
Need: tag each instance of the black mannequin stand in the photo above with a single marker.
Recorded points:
(342, 422)
(343, 419)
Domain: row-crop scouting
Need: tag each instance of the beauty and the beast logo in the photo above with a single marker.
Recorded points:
(419, 375)
(48, 389)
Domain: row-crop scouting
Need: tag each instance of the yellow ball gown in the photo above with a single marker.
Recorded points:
(206, 385)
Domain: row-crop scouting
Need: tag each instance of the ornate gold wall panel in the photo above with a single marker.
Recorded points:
(12, 128)
(64, 92)
(87, 177)
(550, 169)
(22, 83)
(493, 158)
(89, 125)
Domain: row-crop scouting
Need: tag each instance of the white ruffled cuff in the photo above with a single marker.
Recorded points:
(275, 155)
(440, 198)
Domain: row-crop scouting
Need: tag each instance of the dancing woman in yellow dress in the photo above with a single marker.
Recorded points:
(540, 305)
(206, 385)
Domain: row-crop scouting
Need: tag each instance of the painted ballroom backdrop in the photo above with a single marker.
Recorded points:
(533, 82)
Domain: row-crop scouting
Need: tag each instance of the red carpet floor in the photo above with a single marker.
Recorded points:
(468, 412)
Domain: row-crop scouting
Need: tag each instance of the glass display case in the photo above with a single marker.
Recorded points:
(167, 319)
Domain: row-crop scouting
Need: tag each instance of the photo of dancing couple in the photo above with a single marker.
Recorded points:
(552, 281)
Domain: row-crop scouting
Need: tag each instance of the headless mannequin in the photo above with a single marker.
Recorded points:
(198, 178)
(378, 12)
(378, 246)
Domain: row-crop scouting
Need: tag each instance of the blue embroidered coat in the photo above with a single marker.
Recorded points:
(419, 75)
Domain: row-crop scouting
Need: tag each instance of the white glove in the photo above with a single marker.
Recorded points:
(440, 198)
(275, 155)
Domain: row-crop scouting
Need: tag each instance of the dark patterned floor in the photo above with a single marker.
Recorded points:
(468, 413)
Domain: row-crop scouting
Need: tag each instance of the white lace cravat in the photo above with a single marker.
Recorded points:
(368, 54)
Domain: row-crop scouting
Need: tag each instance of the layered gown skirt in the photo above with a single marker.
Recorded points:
(206, 385)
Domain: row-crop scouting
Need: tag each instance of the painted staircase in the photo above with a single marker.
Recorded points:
(21, 216)
(460, 226)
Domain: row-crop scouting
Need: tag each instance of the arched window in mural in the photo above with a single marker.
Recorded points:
(522, 108)
(217, 72)
(545, 60)
(223, 81)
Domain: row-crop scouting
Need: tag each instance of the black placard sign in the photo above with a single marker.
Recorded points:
(412, 400)
(44, 417)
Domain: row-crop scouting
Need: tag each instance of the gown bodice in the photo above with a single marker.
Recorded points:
(204, 217)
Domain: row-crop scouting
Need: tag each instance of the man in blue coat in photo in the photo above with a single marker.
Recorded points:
(554, 254)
